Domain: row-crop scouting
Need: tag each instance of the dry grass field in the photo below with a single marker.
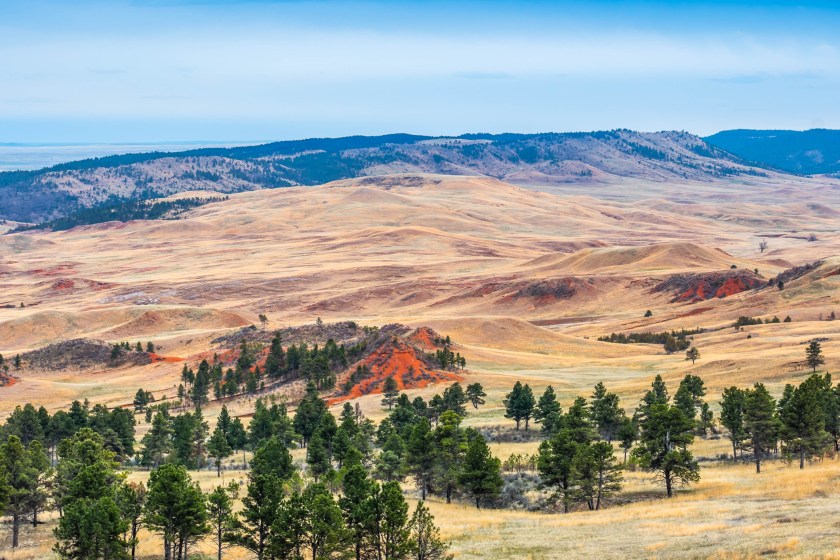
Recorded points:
(523, 281)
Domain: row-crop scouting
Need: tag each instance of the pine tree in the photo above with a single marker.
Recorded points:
(520, 404)
(692, 354)
(732, 416)
(665, 434)
(449, 448)
(324, 532)
(42, 474)
(627, 435)
(218, 447)
(481, 472)
(813, 355)
(392, 533)
(390, 392)
(309, 413)
(455, 399)
(761, 424)
(689, 395)
(658, 394)
(606, 412)
(131, 499)
(803, 423)
(91, 525)
(547, 410)
(420, 453)
(356, 508)
(425, 536)
(554, 463)
(16, 465)
(596, 473)
(271, 467)
(475, 394)
(175, 508)
(220, 513)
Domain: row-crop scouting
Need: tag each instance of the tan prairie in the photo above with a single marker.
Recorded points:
(523, 280)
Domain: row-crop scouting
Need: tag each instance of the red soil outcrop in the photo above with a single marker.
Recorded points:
(691, 287)
(399, 359)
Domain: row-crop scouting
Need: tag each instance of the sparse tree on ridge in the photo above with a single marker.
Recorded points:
(813, 355)
(692, 354)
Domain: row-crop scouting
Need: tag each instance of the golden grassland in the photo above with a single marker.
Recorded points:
(430, 252)
(732, 513)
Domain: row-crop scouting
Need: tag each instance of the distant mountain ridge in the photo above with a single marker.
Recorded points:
(535, 159)
(808, 152)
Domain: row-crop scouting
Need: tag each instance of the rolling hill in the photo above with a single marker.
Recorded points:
(590, 158)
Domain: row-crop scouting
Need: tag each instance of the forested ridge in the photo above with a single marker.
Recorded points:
(54, 192)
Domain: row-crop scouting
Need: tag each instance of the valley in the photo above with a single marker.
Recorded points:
(524, 281)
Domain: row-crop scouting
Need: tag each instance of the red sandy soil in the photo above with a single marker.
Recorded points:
(423, 338)
(397, 359)
(158, 358)
(700, 287)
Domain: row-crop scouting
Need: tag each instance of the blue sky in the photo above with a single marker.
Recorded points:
(164, 70)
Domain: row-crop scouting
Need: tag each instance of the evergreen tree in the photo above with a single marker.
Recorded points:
(596, 473)
(420, 454)
(455, 399)
(309, 413)
(760, 422)
(689, 395)
(554, 463)
(238, 438)
(42, 473)
(157, 442)
(481, 473)
(131, 499)
(175, 508)
(201, 386)
(390, 465)
(658, 394)
(692, 354)
(547, 410)
(425, 536)
(605, 412)
(324, 532)
(16, 465)
(802, 420)
(390, 392)
(665, 434)
(271, 468)
(813, 355)
(578, 422)
(475, 395)
(356, 507)
(732, 416)
(520, 404)
(220, 513)
(391, 530)
(449, 447)
(627, 435)
(91, 525)
(219, 448)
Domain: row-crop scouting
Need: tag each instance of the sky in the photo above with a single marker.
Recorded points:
(225, 70)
